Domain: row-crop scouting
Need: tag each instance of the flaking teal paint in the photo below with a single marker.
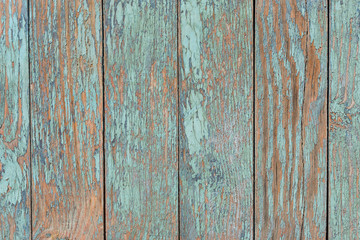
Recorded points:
(215, 117)
(290, 118)
(141, 119)
(344, 120)
(66, 113)
(216, 92)
(14, 121)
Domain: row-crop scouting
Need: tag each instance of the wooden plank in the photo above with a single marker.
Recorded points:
(291, 119)
(66, 111)
(141, 119)
(14, 121)
(216, 103)
(344, 120)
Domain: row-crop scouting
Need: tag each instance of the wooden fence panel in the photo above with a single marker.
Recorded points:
(344, 120)
(66, 114)
(291, 119)
(141, 119)
(14, 121)
(216, 103)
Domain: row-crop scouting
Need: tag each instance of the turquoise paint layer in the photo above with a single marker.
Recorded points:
(141, 119)
(344, 120)
(14, 121)
(216, 121)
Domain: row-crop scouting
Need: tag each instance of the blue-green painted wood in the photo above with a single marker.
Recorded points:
(216, 102)
(14, 121)
(344, 120)
(141, 119)
(66, 115)
(291, 119)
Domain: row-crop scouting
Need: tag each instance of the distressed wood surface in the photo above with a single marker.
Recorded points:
(141, 119)
(14, 121)
(344, 120)
(291, 119)
(211, 104)
(216, 104)
(66, 113)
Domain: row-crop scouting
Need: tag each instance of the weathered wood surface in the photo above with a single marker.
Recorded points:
(344, 120)
(211, 104)
(141, 119)
(66, 114)
(216, 105)
(14, 121)
(291, 119)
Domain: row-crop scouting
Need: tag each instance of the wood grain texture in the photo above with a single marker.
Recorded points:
(216, 104)
(66, 112)
(141, 119)
(14, 121)
(291, 119)
(344, 120)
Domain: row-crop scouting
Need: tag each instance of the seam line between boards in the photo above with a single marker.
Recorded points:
(254, 112)
(178, 109)
(327, 121)
(30, 122)
(103, 116)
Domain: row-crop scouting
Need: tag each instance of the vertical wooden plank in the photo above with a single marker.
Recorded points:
(14, 121)
(141, 119)
(344, 120)
(216, 103)
(291, 119)
(66, 111)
